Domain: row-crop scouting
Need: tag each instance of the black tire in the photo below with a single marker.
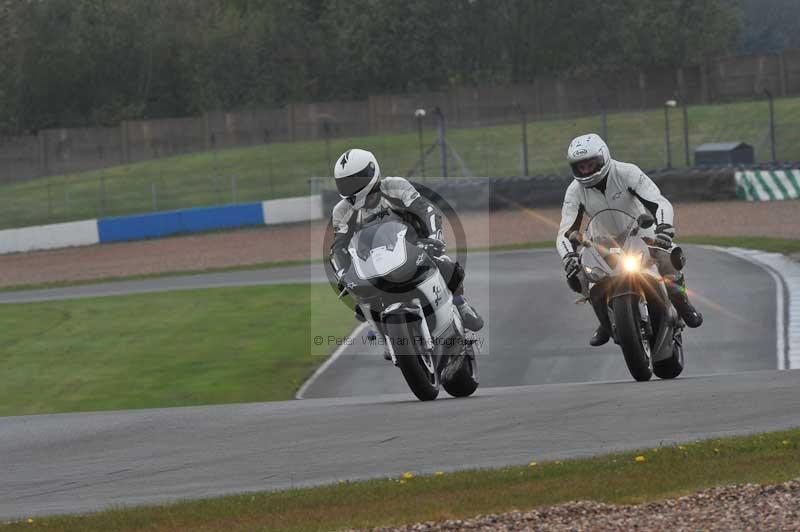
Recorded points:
(422, 383)
(629, 334)
(464, 381)
(673, 366)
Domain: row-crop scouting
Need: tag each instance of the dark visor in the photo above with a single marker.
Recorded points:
(598, 164)
(353, 184)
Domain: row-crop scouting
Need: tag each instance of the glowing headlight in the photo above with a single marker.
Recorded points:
(631, 263)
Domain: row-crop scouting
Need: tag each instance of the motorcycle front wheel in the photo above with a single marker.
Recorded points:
(418, 368)
(673, 366)
(464, 380)
(635, 347)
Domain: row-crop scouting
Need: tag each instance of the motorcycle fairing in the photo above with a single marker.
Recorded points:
(379, 260)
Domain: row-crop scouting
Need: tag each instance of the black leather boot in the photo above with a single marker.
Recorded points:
(676, 289)
(600, 337)
(603, 333)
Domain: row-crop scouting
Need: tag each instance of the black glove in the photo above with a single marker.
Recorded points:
(434, 244)
(571, 265)
(664, 235)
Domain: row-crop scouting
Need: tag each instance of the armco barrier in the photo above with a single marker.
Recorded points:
(161, 224)
(768, 185)
(288, 210)
(83, 233)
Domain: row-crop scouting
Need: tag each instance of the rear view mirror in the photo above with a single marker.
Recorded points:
(646, 221)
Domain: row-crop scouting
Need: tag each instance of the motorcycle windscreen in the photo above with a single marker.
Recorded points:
(610, 228)
(592, 260)
(378, 250)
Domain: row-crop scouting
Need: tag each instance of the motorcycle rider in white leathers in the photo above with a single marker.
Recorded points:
(601, 183)
(366, 197)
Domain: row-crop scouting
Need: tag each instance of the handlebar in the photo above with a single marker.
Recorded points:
(655, 243)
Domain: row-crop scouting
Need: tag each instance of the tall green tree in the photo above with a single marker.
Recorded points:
(96, 62)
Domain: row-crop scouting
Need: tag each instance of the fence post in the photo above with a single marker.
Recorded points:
(771, 125)
(102, 195)
(442, 140)
(233, 188)
(666, 131)
(290, 122)
(125, 146)
(42, 134)
(207, 123)
(604, 123)
(154, 196)
(685, 109)
(326, 131)
(524, 124)
(49, 202)
(419, 114)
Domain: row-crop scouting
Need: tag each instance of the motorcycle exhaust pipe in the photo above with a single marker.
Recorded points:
(677, 258)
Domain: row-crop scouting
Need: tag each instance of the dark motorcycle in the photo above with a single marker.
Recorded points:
(399, 288)
(617, 269)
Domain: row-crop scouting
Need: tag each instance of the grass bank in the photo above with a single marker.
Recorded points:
(624, 478)
(283, 169)
(221, 345)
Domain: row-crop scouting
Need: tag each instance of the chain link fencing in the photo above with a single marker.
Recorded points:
(654, 139)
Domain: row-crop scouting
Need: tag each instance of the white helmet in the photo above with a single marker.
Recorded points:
(585, 148)
(356, 173)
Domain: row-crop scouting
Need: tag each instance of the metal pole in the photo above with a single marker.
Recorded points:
(442, 141)
(103, 195)
(604, 124)
(233, 188)
(420, 114)
(271, 185)
(771, 125)
(524, 120)
(214, 149)
(49, 202)
(666, 136)
(685, 109)
(154, 196)
(326, 130)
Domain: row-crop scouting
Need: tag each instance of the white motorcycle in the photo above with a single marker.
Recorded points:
(617, 268)
(401, 291)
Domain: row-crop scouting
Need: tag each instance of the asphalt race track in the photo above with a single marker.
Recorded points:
(536, 334)
(367, 424)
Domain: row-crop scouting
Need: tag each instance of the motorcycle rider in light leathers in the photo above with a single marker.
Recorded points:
(366, 197)
(601, 183)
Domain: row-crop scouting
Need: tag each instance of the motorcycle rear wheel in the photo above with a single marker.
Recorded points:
(634, 345)
(423, 383)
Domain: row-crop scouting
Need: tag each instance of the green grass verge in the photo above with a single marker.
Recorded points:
(774, 245)
(283, 169)
(220, 345)
(618, 478)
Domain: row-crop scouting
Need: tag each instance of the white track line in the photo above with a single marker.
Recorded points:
(331, 359)
(786, 274)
